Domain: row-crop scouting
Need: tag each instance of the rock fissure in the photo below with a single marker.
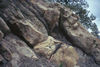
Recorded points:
(34, 29)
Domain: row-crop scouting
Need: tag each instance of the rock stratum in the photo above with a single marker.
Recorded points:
(37, 33)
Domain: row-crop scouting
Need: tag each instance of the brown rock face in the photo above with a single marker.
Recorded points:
(33, 37)
(16, 48)
(80, 37)
(25, 26)
(58, 52)
(52, 17)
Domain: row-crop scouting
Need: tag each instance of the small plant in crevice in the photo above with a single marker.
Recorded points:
(61, 64)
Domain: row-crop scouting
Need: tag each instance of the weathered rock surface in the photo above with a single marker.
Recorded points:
(1, 35)
(35, 33)
(4, 27)
(56, 51)
(16, 49)
(33, 37)
(80, 37)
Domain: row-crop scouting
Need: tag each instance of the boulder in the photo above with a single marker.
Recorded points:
(28, 24)
(79, 36)
(16, 50)
(4, 27)
(52, 17)
(58, 52)
(29, 32)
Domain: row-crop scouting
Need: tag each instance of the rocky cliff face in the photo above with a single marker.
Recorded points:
(36, 33)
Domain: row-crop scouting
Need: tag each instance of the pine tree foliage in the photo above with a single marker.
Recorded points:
(80, 8)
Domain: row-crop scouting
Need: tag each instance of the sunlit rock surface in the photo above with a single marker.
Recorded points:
(37, 33)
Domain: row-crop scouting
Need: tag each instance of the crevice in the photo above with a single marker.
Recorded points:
(70, 39)
(64, 32)
(41, 19)
(38, 14)
(16, 31)
(14, 28)
(4, 61)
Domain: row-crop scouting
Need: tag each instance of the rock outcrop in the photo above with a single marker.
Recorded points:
(1, 35)
(57, 51)
(80, 37)
(36, 33)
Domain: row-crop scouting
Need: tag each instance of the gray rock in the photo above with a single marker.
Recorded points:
(4, 27)
(1, 35)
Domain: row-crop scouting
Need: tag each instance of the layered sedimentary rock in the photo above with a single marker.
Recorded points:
(79, 36)
(36, 33)
(58, 52)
